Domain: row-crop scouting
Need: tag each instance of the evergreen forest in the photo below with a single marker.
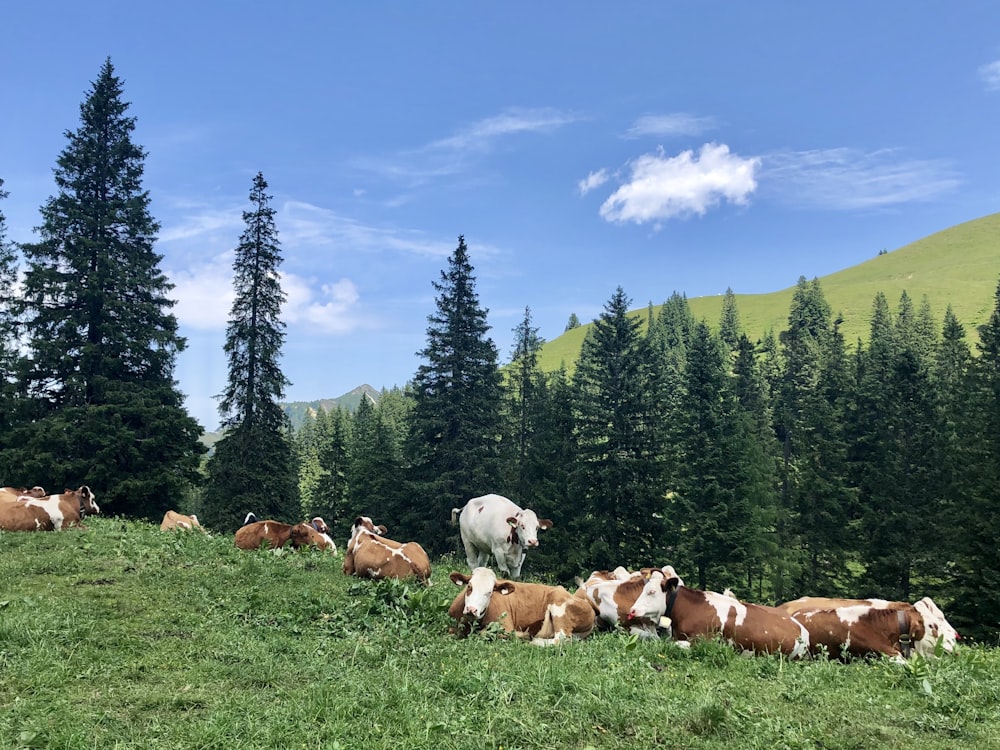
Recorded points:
(794, 463)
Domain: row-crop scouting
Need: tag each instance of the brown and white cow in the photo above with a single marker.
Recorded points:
(174, 520)
(51, 513)
(370, 555)
(612, 593)
(11, 494)
(919, 626)
(694, 613)
(307, 535)
(546, 614)
(494, 525)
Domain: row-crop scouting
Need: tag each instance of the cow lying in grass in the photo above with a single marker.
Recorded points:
(371, 555)
(698, 614)
(51, 513)
(546, 614)
(275, 534)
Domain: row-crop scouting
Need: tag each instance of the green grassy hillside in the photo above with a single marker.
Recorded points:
(959, 266)
(123, 636)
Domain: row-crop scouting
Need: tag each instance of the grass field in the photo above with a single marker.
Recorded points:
(123, 636)
(959, 266)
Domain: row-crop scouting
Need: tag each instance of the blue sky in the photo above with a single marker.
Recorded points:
(578, 146)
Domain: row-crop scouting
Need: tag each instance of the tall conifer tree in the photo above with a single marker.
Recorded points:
(455, 424)
(100, 405)
(620, 507)
(8, 328)
(253, 467)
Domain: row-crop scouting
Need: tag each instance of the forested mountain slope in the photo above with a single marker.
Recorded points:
(959, 266)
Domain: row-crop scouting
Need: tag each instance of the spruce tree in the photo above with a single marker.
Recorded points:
(814, 524)
(524, 389)
(620, 507)
(455, 424)
(977, 576)
(8, 326)
(99, 404)
(253, 467)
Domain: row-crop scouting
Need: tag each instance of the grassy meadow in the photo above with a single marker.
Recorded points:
(123, 636)
(959, 266)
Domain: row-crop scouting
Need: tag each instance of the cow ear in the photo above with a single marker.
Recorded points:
(668, 584)
(545, 523)
(380, 529)
(512, 521)
(504, 587)
(358, 521)
(459, 579)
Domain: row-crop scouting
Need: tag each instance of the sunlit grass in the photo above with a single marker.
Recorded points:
(123, 636)
(959, 266)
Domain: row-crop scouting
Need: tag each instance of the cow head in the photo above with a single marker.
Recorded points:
(479, 588)
(88, 506)
(936, 628)
(320, 525)
(250, 518)
(525, 526)
(652, 600)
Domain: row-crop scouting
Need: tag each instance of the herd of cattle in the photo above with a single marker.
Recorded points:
(648, 603)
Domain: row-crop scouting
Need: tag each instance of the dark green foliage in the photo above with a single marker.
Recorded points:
(455, 425)
(249, 471)
(253, 467)
(619, 512)
(8, 324)
(375, 468)
(816, 506)
(977, 568)
(97, 401)
(896, 419)
(524, 391)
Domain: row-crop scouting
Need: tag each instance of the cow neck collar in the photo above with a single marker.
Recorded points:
(905, 640)
(670, 601)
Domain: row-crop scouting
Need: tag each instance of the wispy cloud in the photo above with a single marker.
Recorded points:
(330, 308)
(593, 181)
(990, 73)
(199, 220)
(672, 125)
(457, 153)
(661, 187)
(850, 179)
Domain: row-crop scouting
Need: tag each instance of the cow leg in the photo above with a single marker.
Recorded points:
(515, 570)
(472, 555)
(503, 563)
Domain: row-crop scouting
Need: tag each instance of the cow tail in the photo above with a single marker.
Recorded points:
(455, 513)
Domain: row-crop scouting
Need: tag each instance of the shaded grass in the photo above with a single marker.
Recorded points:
(122, 636)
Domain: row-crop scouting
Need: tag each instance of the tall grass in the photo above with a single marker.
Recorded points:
(123, 636)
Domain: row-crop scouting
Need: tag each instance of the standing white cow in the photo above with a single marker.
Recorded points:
(493, 524)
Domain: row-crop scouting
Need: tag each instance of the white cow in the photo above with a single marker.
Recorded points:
(492, 524)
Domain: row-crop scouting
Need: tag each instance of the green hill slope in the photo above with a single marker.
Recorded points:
(959, 266)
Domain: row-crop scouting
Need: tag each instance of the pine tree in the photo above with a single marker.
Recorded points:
(620, 505)
(374, 470)
(8, 323)
(455, 423)
(99, 403)
(253, 467)
(814, 525)
(977, 574)
(524, 389)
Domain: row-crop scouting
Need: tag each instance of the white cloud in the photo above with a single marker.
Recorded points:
(331, 308)
(204, 293)
(990, 73)
(204, 221)
(664, 187)
(850, 179)
(679, 123)
(457, 153)
(592, 181)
